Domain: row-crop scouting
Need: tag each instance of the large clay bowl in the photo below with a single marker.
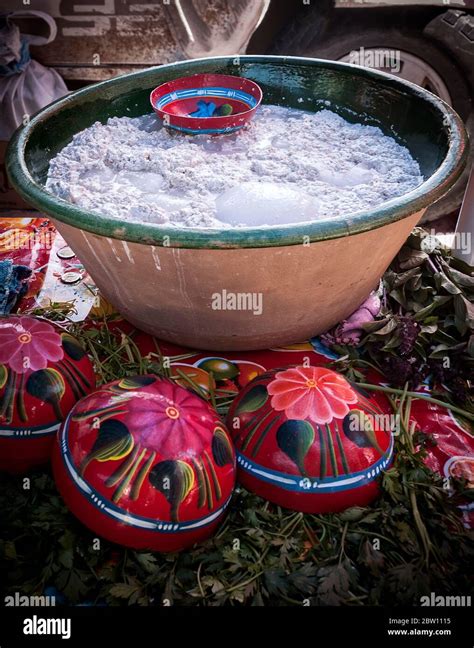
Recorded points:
(308, 276)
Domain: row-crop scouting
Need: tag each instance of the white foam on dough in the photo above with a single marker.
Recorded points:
(287, 166)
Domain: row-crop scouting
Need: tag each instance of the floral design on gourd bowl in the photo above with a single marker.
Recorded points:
(146, 463)
(44, 371)
(309, 440)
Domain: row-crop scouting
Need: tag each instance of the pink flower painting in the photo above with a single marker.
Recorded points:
(313, 393)
(172, 422)
(28, 344)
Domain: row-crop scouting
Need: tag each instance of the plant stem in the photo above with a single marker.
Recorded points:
(343, 540)
(421, 396)
(243, 583)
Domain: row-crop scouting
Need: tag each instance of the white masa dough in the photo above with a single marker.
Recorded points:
(287, 166)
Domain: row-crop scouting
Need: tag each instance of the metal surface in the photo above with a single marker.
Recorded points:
(99, 39)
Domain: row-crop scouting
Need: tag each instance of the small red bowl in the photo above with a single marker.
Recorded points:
(204, 95)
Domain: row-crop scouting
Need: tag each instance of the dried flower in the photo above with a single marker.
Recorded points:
(408, 332)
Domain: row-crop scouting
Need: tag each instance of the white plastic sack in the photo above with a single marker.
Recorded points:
(25, 85)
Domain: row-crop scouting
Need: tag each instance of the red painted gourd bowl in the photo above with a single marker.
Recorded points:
(206, 103)
(452, 451)
(309, 440)
(145, 463)
(44, 371)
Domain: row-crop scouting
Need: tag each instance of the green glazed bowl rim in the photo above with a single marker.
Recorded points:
(391, 211)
